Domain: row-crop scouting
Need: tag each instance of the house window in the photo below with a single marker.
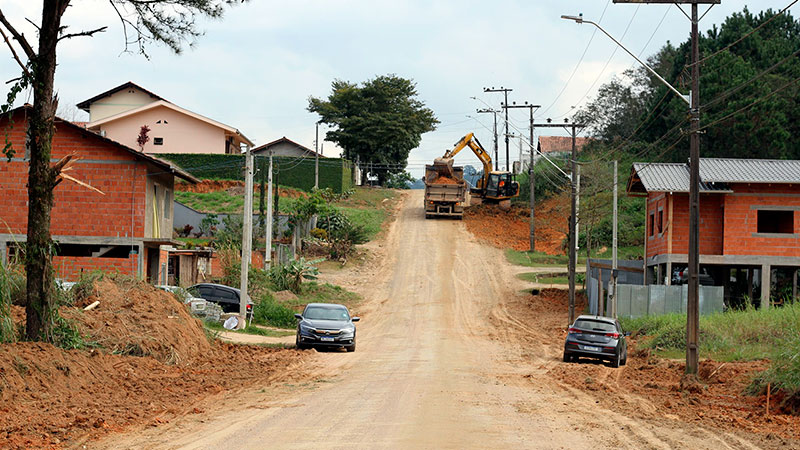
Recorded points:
(158, 141)
(778, 222)
(652, 225)
(660, 221)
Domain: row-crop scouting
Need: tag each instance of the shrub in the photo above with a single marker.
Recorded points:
(290, 275)
(84, 288)
(319, 233)
(7, 331)
(269, 312)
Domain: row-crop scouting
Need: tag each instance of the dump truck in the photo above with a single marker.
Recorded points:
(445, 190)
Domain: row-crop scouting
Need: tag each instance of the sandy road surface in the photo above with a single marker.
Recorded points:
(439, 365)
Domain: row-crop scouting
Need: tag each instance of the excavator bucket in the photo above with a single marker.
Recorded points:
(444, 167)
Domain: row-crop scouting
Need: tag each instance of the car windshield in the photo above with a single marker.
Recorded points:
(323, 313)
(594, 325)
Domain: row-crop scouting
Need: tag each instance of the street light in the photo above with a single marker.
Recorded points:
(579, 19)
(692, 100)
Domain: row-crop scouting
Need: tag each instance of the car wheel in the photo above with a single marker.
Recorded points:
(616, 362)
(567, 357)
(625, 358)
(299, 345)
(351, 348)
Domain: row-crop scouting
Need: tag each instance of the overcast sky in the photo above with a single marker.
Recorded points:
(256, 68)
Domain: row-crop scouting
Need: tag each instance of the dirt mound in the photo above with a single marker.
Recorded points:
(445, 180)
(511, 229)
(648, 386)
(50, 397)
(136, 319)
(233, 187)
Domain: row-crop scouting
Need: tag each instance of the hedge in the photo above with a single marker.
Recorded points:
(334, 173)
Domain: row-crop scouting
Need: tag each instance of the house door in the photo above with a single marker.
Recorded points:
(152, 265)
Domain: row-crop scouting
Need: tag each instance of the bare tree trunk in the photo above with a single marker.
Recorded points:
(42, 178)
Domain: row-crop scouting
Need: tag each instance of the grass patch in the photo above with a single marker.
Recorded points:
(367, 197)
(538, 259)
(370, 219)
(730, 336)
(314, 292)
(214, 326)
(544, 278)
(221, 202)
(268, 311)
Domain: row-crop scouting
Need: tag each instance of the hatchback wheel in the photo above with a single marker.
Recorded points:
(616, 362)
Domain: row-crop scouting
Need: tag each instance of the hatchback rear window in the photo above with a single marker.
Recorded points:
(595, 325)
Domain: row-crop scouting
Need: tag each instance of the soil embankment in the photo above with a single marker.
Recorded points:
(147, 362)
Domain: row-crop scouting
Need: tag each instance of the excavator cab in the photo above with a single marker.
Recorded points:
(501, 186)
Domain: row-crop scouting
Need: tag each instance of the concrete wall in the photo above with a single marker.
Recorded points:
(180, 133)
(185, 215)
(124, 100)
(595, 274)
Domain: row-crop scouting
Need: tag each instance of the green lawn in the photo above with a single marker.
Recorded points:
(366, 197)
(221, 202)
(538, 259)
(250, 330)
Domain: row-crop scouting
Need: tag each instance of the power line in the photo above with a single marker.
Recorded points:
(575, 70)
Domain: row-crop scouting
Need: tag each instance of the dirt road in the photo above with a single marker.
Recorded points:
(439, 365)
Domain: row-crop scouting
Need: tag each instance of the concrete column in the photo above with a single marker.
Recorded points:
(140, 267)
(669, 273)
(4, 253)
(766, 272)
(794, 285)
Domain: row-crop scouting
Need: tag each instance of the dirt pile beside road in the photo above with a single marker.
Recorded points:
(511, 229)
(232, 187)
(134, 318)
(147, 361)
(649, 387)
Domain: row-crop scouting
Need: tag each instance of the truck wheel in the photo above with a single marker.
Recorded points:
(427, 216)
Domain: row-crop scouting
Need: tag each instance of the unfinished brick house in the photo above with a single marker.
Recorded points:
(120, 230)
(749, 225)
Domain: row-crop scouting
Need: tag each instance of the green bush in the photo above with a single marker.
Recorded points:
(7, 331)
(269, 312)
(290, 275)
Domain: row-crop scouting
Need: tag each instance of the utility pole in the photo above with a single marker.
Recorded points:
(316, 157)
(268, 233)
(614, 268)
(247, 231)
(531, 109)
(494, 115)
(505, 92)
(692, 307)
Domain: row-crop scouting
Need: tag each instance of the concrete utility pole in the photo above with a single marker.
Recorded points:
(505, 92)
(247, 231)
(693, 100)
(531, 109)
(494, 116)
(316, 157)
(614, 269)
(268, 233)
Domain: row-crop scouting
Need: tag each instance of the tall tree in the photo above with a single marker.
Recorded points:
(168, 22)
(378, 123)
(750, 95)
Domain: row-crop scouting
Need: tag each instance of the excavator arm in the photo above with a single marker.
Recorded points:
(472, 142)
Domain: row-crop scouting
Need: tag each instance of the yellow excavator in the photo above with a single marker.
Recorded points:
(494, 186)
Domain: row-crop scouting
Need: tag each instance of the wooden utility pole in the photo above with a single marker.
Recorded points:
(247, 231)
(531, 109)
(614, 268)
(494, 116)
(692, 307)
(505, 92)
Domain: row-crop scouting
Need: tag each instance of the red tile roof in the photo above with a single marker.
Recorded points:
(551, 144)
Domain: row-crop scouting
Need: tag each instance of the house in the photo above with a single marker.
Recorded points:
(120, 112)
(285, 147)
(749, 225)
(554, 145)
(123, 229)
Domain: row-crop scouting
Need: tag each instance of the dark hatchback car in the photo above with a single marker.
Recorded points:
(326, 325)
(225, 296)
(596, 337)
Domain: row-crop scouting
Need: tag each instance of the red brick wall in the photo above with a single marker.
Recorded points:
(78, 211)
(742, 221)
(257, 261)
(712, 212)
(69, 268)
